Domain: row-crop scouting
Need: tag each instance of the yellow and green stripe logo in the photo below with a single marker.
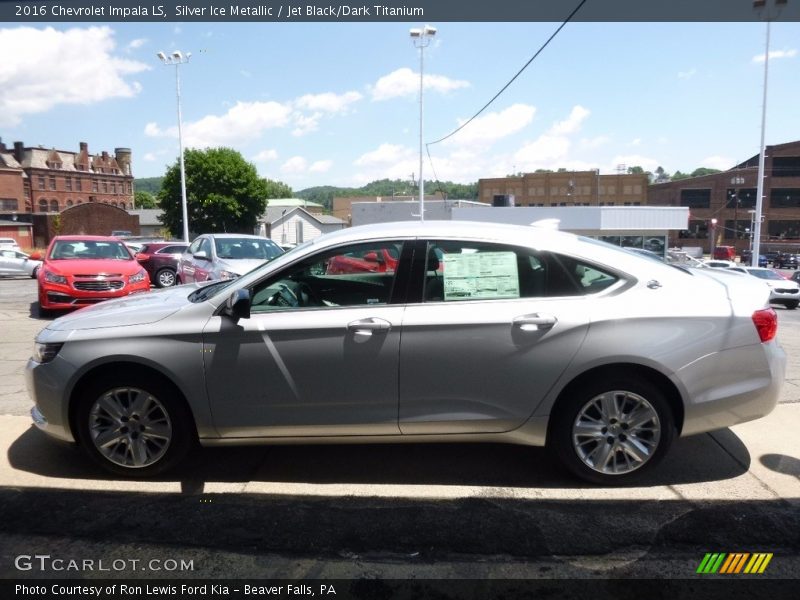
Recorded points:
(734, 563)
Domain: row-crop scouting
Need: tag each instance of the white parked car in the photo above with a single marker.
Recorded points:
(9, 243)
(781, 290)
(13, 262)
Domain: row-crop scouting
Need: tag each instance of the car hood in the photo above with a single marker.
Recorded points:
(139, 309)
(86, 266)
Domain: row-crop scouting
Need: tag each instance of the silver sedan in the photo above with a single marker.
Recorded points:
(418, 332)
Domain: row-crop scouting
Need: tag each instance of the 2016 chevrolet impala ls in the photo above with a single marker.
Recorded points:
(479, 332)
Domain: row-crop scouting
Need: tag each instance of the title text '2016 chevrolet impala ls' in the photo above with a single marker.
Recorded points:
(480, 332)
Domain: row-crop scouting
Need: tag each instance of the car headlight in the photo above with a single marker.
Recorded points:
(53, 278)
(140, 276)
(228, 275)
(44, 353)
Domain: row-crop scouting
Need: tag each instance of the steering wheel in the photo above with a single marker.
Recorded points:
(294, 294)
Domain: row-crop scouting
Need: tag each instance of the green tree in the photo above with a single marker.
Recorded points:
(661, 176)
(677, 176)
(148, 184)
(144, 200)
(637, 170)
(704, 171)
(223, 192)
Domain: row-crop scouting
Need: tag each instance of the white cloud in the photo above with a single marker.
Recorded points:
(404, 82)
(572, 123)
(149, 157)
(137, 43)
(320, 166)
(244, 121)
(295, 165)
(266, 155)
(717, 162)
(636, 142)
(177, 30)
(328, 101)
(35, 80)
(383, 155)
(494, 126)
(687, 74)
(759, 58)
(305, 124)
(544, 152)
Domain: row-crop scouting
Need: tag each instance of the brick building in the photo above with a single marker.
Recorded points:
(730, 198)
(38, 180)
(567, 188)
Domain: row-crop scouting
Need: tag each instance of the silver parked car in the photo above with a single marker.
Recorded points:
(783, 291)
(455, 332)
(14, 262)
(224, 256)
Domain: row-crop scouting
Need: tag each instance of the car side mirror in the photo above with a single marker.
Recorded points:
(201, 254)
(237, 306)
(36, 256)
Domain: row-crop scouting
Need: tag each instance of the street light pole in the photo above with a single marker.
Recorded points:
(178, 58)
(421, 38)
(758, 218)
(736, 182)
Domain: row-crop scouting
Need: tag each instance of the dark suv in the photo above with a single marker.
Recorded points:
(785, 260)
(160, 260)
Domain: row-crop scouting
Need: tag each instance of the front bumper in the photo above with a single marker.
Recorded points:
(58, 296)
(46, 385)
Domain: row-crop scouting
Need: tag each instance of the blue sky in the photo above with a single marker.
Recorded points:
(336, 104)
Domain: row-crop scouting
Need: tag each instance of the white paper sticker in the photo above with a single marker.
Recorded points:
(480, 275)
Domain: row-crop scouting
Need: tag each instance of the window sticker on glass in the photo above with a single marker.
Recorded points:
(480, 275)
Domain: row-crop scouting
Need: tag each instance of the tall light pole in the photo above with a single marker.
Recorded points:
(421, 38)
(177, 58)
(760, 5)
(736, 181)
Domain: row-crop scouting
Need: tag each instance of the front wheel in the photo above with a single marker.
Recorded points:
(792, 305)
(133, 426)
(612, 431)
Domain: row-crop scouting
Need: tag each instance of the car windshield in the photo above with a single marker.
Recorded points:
(246, 248)
(205, 292)
(89, 249)
(764, 274)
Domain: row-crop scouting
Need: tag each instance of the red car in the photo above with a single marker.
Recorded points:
(375, 261)
(160, 259)
(84, 269)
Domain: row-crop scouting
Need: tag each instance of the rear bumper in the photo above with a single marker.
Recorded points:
(733, 386)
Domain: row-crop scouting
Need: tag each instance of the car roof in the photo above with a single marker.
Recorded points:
(87, 238)
(232, 235)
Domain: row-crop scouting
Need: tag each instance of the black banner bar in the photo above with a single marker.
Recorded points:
(395, 10)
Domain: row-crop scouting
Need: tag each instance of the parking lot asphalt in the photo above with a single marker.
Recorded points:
(393, 511)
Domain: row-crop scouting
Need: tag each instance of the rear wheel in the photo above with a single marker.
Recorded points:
(165, 278)
(133, 426)
(611, 431)
(792, 305)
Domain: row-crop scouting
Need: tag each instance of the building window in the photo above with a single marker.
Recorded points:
(77, 184)
(113, 187)
(79, 201)
(741, 229)
(8, 204)
(68, 184)
(784, 198)
(52, 182)
(41, 182)
(53, 205)
(746, 198)
(697, 229)
(696, 198)
(69, 203)
(786, 166)
(128, 187)
(105, 186)
(42, 205)
(784, 230)
(94, 185)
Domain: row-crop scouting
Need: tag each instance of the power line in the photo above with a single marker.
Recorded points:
(525, 66)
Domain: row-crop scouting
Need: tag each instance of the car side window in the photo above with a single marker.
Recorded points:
(205, 246)
(354, 275)
(195, 247)
(485, 271)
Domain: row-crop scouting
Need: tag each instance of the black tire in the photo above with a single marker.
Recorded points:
(34, 273)
(165, 278)
(89, 417)
(792, 305)
(578, 400)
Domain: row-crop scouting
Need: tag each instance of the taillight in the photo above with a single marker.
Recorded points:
(766, 322)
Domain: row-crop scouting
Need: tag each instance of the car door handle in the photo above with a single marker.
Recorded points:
(535, 322)
(367, 326)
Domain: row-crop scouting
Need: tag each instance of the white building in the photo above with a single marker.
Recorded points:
(294, 225)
